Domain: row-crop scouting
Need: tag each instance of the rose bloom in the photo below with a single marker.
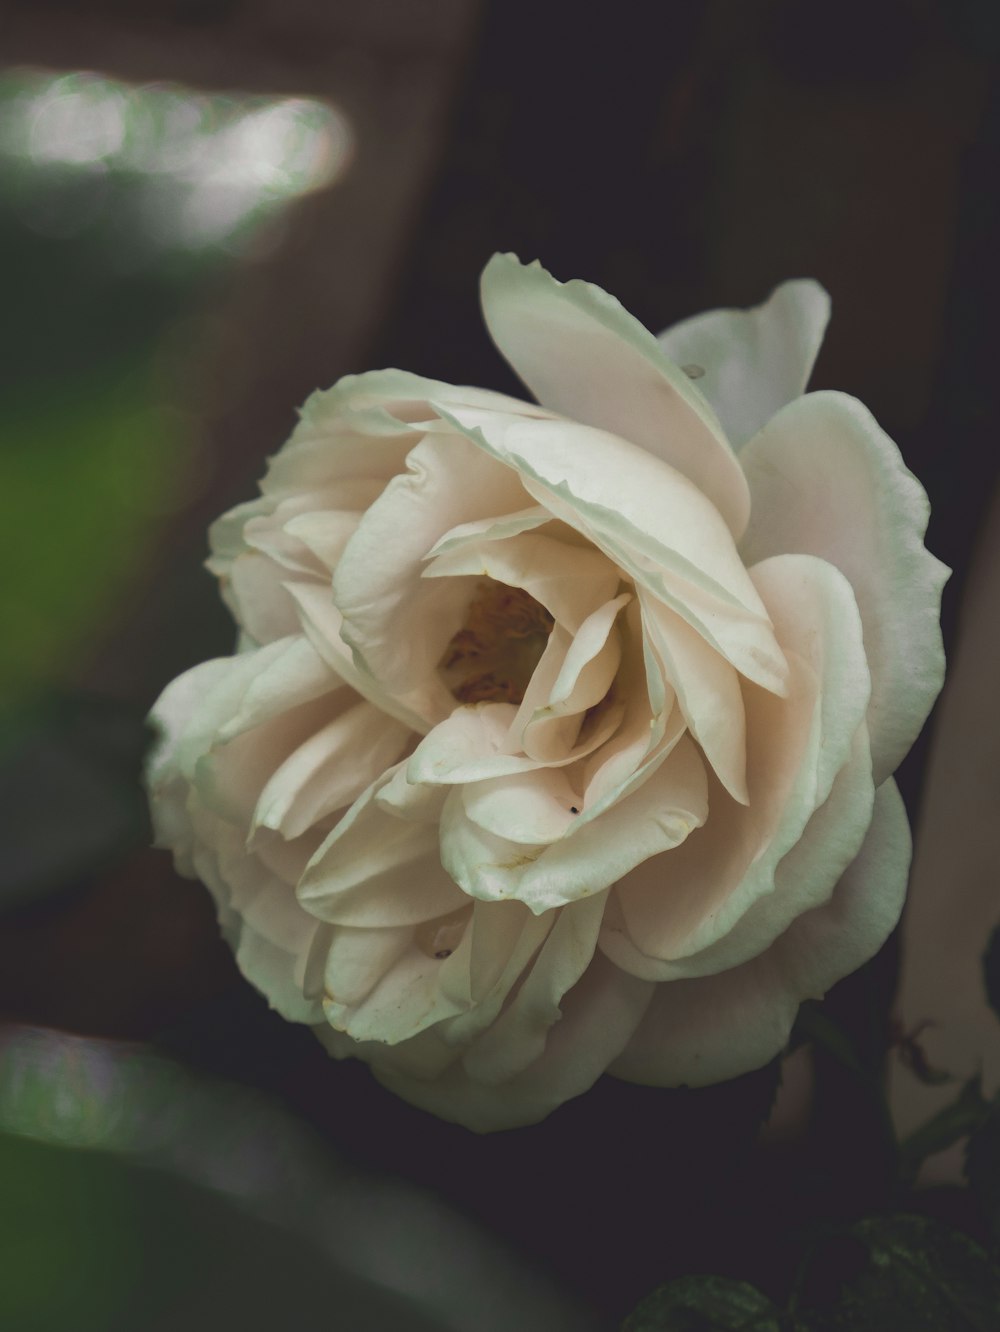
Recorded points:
(558, 739)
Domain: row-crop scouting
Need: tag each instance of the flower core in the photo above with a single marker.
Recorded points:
(494, 654)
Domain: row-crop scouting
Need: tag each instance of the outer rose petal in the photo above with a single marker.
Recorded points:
(827, 481)
(269, 933)
(753, 361)
(587, 358)
(599, 1014)
(696, 1032)
(695, 901)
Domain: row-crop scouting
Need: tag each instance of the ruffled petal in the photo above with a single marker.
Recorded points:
(377, 869)
(269, 933)
(331, 768)
(599, 1015)
(397, 622)
(593, 853)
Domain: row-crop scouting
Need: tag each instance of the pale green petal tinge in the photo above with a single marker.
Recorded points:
(827, 481)
(750, 363)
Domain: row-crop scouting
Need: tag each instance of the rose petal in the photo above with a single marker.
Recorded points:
(752, 362)
(398, 622)
(530, 807)
(491, 529)
(220, 699)
(321, 623)
(269, 933)
(585, 357)
(569, 581)
(376, 869)
(518, 1035)
(795, 749)
(599, 1015)
(647, 517)
(405, 1000)
(330, 769)
(705, 1030)
(593, 854)
(827, 481)
(804, 878)
(707, 689)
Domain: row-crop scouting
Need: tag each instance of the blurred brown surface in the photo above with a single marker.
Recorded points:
(126, 957)
(304, 312)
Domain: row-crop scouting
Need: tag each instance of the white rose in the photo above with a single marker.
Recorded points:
(559, 738)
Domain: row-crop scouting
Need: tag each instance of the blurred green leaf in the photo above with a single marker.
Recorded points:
(87, 474)
(156, 1199)
(812, 1024)
(882, 1274)
(704, 1304)
(902, 1272)
(948, 1126)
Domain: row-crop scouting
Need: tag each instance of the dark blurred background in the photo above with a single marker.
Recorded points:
(209, 208)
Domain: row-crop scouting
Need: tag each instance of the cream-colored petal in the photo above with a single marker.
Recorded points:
(406, 1001)
(269, 933)
(230, 777)
(795, 749)
(331, 768)
(827, 481)
(467, 747)
(593, 853)
(750, 363)
(321, 623)
(355, 960)
(707, 689)
(397, 622)
(712, 1028)
(518, 1035)
(803, 879)
(585, 357)
(220, 699)
(325, 534)
(571, 582)
(376, 869)
(530, 807)
(647, 517)
(599, 1015)
(491, 529)
(172, 713)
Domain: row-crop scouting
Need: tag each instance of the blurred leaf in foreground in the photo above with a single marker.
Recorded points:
(704, 1304)
(884, 1273)
(140, 1196)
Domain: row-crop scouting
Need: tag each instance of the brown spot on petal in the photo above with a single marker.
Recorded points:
(439, 938)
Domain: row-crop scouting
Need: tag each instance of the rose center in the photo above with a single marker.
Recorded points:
(494, 654)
